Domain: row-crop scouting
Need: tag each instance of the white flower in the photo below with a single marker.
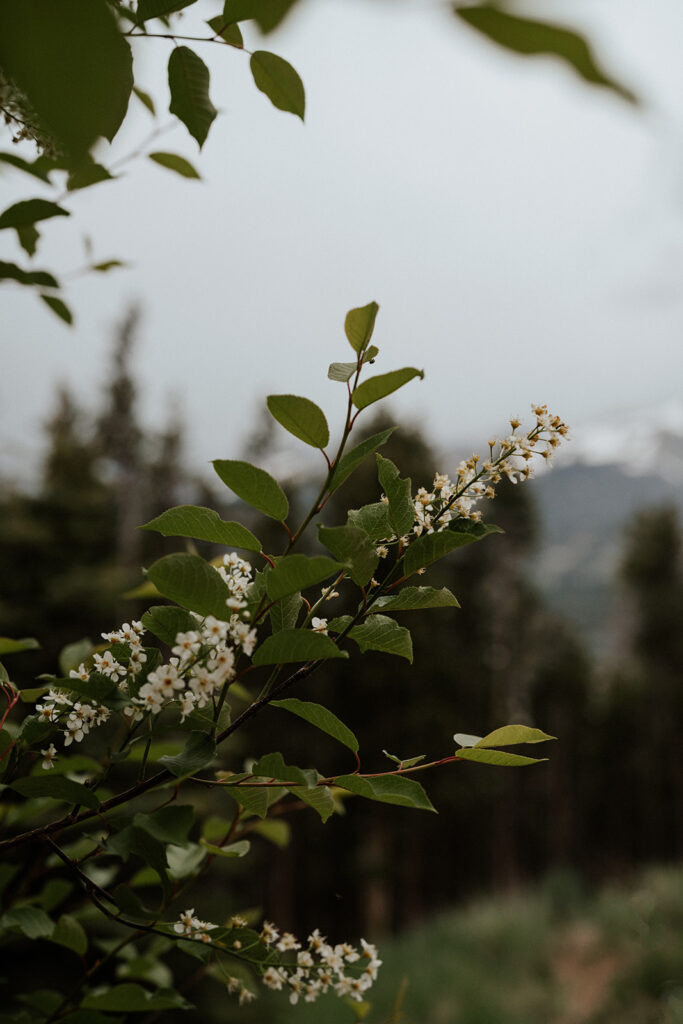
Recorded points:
(185, 923)
(246, 996)
(187, 703)
(81, 673)
(47, 712)
(287, 941)
(49, 756)
(319, 625)
(108, 666)
(274, 978)
(269, 933)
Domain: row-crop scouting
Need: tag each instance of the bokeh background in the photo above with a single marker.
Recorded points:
(522, 231)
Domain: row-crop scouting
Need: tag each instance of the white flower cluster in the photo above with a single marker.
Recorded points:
(203, 660)
(476, 478)
(21, 119)
(320, 967)
(191, 927)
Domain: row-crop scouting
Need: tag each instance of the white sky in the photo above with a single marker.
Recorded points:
(522, 231)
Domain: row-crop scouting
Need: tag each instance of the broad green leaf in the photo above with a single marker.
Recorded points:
(341, 371)
(387, 789)
(191, 582)
(359, 325)
(103, 268)
(198, 752)
(32, 921)
(511, 735)
(296, 572)
(414, 598)
(98, 687)
(133, 998)
(73, 64)
(305, 780)
(352, 547)
(86, 173)
(293, 645)
(8, 646)
(230, 34)
(372, 519)
(353, 459)
(39, 168)
(68, 932)
(73, 654)
(370, 354)
(168, 824)
(188, 80)
(11, 272)
(301, 417)
(321, 718)
(254, 486)
(496, 757)
(276, 77)
(145, 99)
(255, 799)
(404, 762)
(58, 788)
(176, 163)
(184, 861)
(285, 612)
(133, 840)
(530, 37)
(58, 307)
(375, 388)
(147, 9)
(397, 490)
(339, 624)
(380, 633)
(266, 13)
(28, 236)
(166, 621)
(239, 849)
(275, 831)
(430, 547)
(464, 739)
(203, 524)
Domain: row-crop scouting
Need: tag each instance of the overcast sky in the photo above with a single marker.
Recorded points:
(522, 231)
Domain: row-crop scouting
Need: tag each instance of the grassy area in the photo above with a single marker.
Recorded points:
(555, 955)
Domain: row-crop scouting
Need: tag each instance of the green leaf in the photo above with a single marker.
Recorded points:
(380, 633)
(239, 849)
(430, 547)
(28, 236)
(176, 163)
(276, 77)
(511, 735)
(230, 34)
(341, 371)
(404, 762)
(285, 612)
(293, 645)
(321, 718)
(530, 37)
(11, 272)
(359, 325)
(191, 582)
(132, 998)
(58, 307)
(387, 789)
(33, 922)
(68, 932)
(8, 646)
(464, 739)
(375, 388)
(107, 265)
(351, 546)
(203, 524)
(148, 9)
(301, 417)
(188, 79)
(145, 99)
(57, 787)
(256, 800)
(30, 211)
(168, 824)
(266, 13)
(72, 655)
(87, 173)
(254, 486)
(372, 519)
(305, 788)
(414, 598)
(296, 572)
(185, 861)
(496, 757)
(397, 490)
(166, 621)
(198, 752)
(275, 831)
(39, 168)
(353, 459)
(73, 64)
